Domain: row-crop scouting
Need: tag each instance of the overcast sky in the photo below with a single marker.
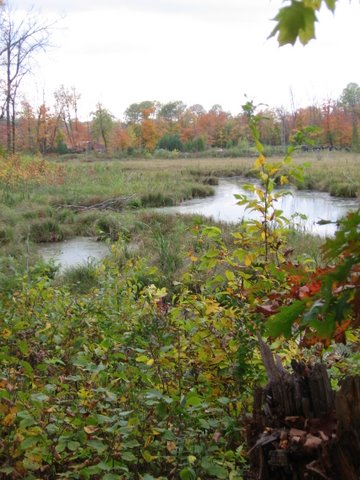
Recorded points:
(118, 52)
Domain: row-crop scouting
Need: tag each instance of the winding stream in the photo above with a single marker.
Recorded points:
(222, 207)
(315, 205)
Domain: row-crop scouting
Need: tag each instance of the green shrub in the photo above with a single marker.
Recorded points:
(171, 142)
(198, 144)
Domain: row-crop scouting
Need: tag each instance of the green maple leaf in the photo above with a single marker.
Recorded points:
(295, 21)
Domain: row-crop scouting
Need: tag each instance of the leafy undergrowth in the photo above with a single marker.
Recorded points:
(118, 383)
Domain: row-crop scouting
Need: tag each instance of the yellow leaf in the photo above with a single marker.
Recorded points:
(171, 446)
(144, 359)
(6, 333)
(90, 429)
(247, 260)
(212, 307)
(283, 180)
(148, 457)
(218, 358)
(259, 161)
(191, 459)
(10, 417)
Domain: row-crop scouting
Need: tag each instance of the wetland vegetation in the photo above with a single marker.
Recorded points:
(51, 200)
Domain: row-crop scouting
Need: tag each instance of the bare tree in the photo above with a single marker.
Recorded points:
(20, 40)
(66, 107)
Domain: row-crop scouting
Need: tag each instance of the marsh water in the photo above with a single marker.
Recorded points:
(221, 207)
(75, 251)
(314, 205)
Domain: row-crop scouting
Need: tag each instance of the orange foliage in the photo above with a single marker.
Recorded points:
(120, 139)
(16, 171)
(150, 134)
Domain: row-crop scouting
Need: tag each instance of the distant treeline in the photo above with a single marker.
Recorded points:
(150, 127)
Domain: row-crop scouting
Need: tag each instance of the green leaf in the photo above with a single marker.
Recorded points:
(214, 469)
(97, 445)
(27, 368)
(6, 470)
(281, 323)
(315, 4)
(187, 474)
(128, 457)
(193, 399)
(30, 465)
(39, 397)
(330, 4)
(72, 445)
(230, 275)
(30, 442)
(23, 347)
(26, 419)
(212, 232)
(295, 21)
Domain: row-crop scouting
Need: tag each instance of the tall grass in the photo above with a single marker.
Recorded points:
(335, 172)
(81, 278)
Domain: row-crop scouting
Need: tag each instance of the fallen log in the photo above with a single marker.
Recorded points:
(114, 204)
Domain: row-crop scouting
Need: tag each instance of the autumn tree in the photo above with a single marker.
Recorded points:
(27, 127)
(212, 125)
(171, 113)
(67, 109)
(42, 129)
(120, 139)
(20, 40)
(136, 112)
(102, 125)
(189, 122)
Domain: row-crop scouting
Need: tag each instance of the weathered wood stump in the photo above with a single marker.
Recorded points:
(300, 429)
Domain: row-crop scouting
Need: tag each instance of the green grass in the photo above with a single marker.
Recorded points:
(81, 278)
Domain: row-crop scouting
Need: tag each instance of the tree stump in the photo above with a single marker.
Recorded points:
(301, 430)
